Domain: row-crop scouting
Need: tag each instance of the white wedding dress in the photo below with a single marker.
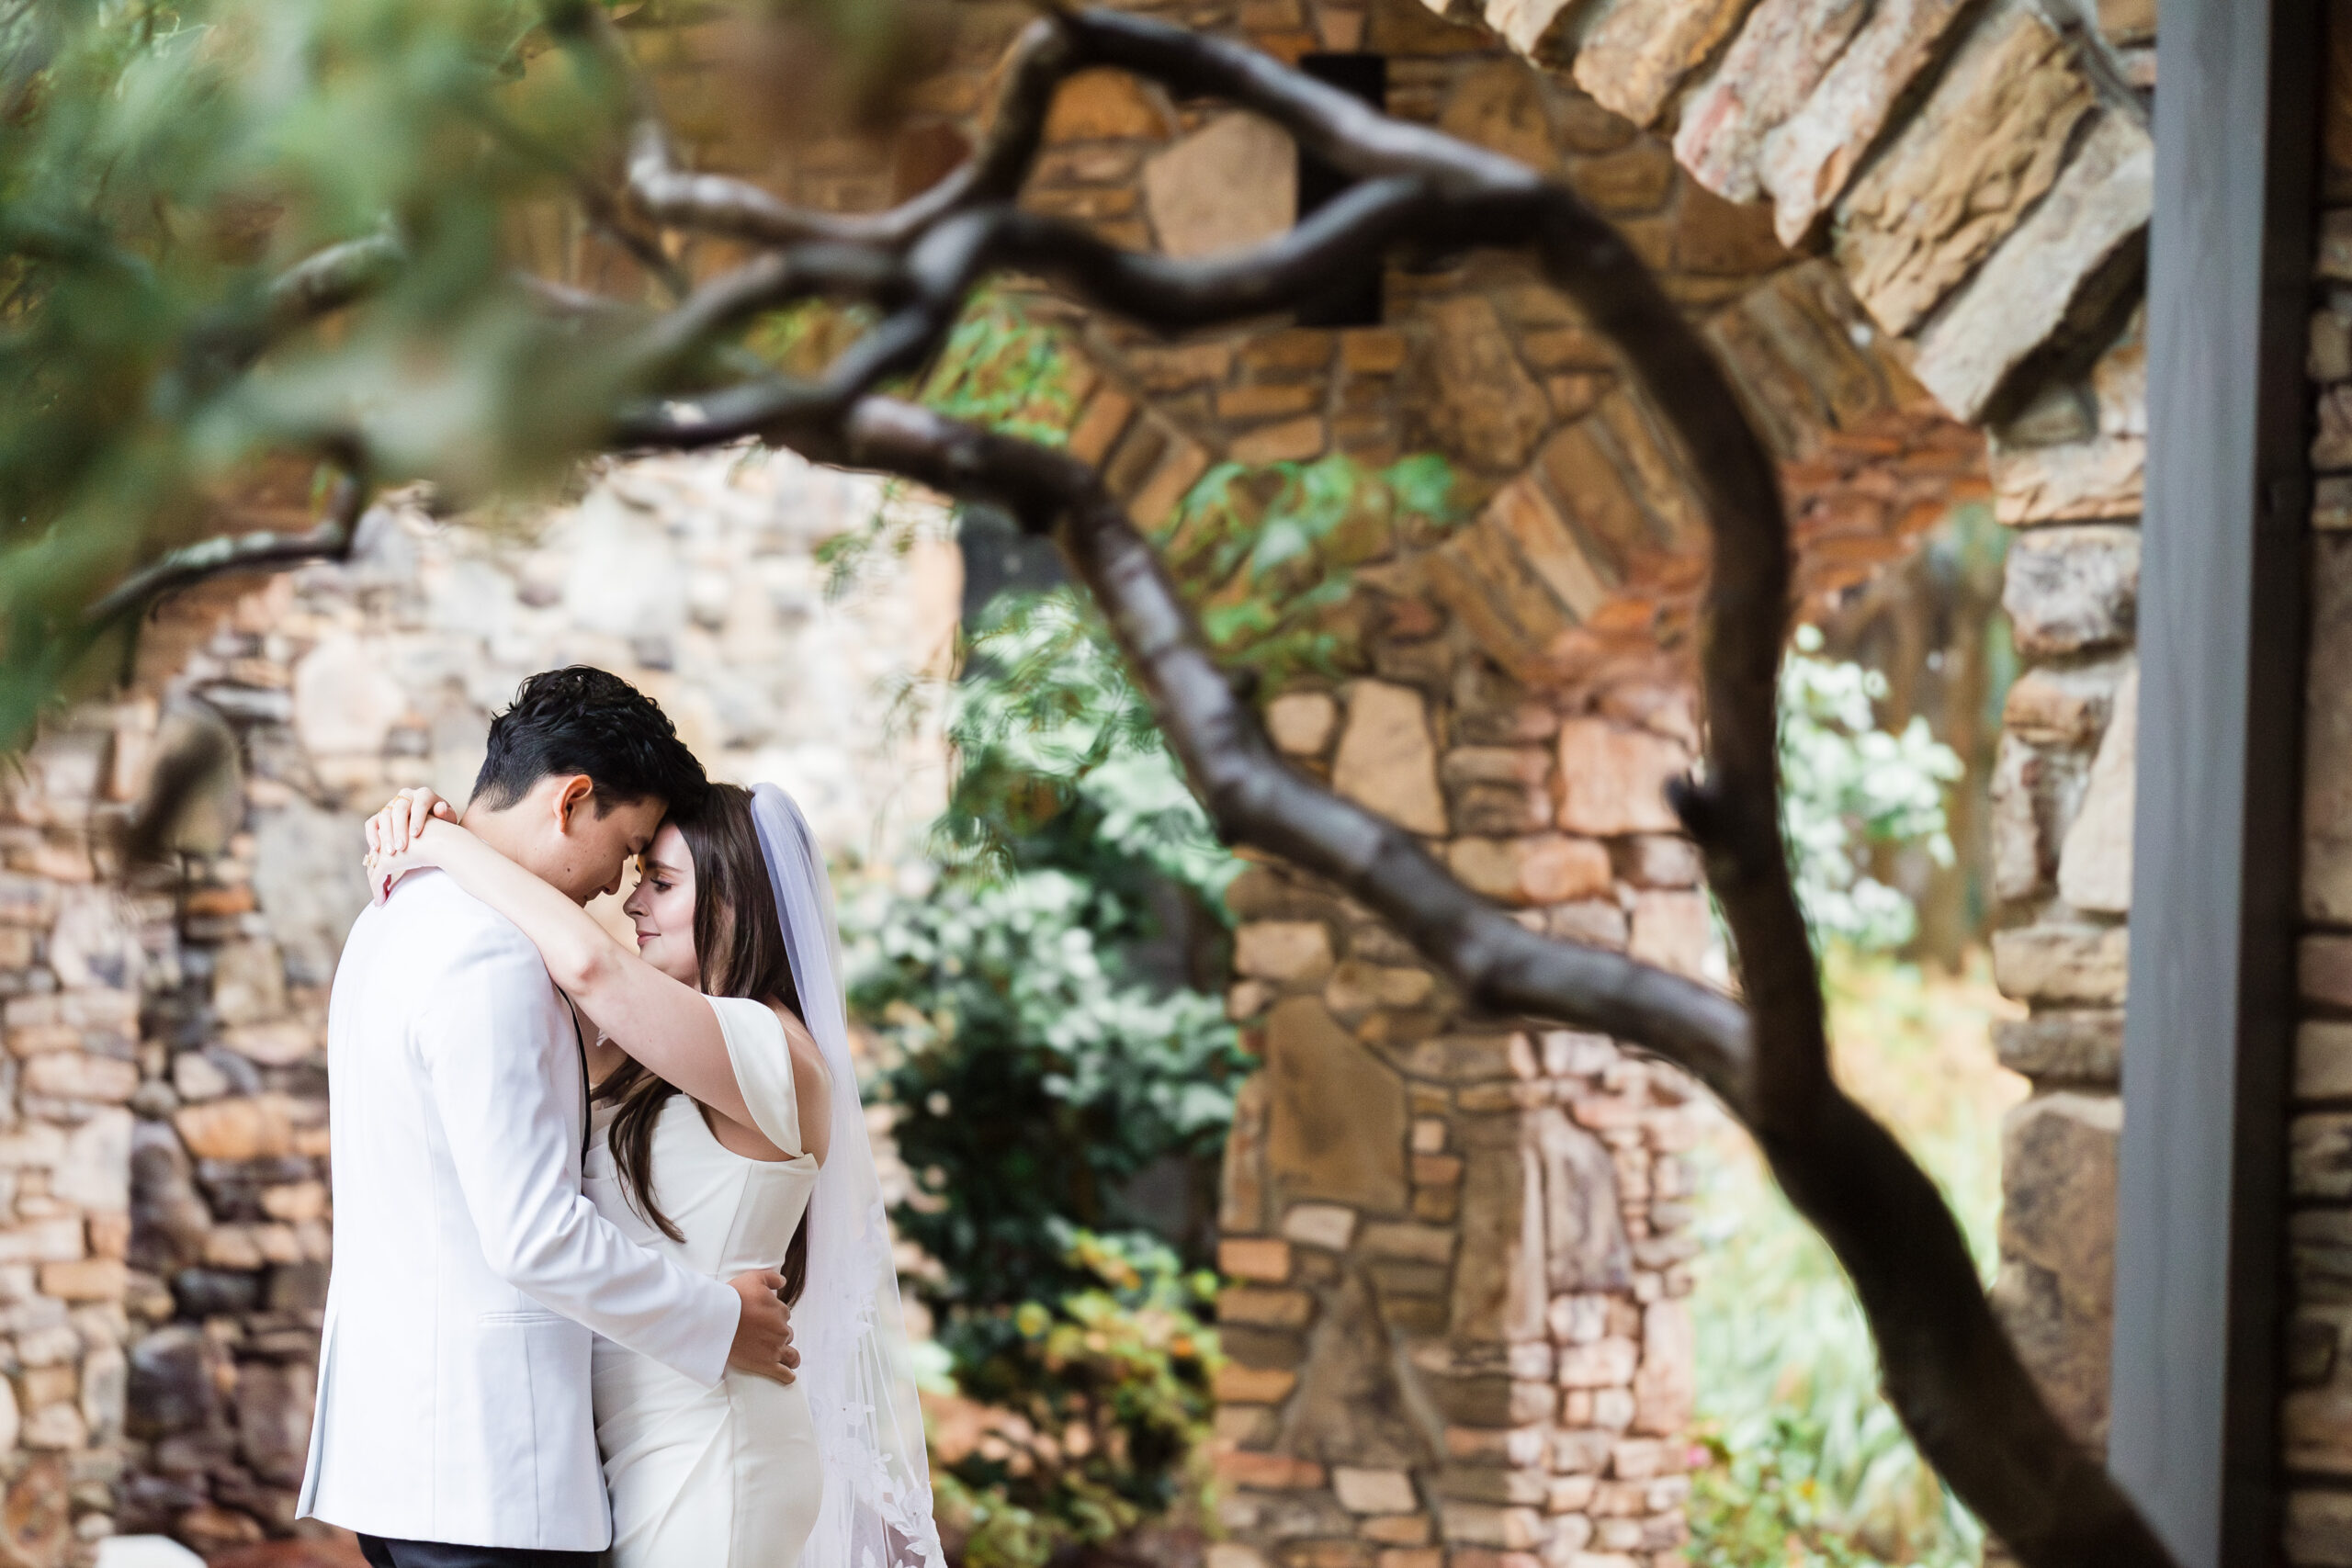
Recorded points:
(724, 1477)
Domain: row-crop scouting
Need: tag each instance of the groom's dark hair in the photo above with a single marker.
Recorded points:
(583, 720)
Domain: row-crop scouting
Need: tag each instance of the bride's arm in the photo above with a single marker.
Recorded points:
(668, 1026)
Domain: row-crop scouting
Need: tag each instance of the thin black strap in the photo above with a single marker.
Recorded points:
(580, 1042)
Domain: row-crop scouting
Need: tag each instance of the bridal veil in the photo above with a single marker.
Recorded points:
(848, 1324)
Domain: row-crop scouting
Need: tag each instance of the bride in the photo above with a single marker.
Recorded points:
(727, 1132)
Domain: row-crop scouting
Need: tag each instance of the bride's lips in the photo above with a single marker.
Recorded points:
(644, 937)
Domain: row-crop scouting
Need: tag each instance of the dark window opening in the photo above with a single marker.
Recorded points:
(1354, 298)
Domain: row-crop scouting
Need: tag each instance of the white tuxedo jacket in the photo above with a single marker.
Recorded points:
(468, 1271)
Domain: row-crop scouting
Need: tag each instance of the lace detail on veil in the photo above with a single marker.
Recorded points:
(849, 1324)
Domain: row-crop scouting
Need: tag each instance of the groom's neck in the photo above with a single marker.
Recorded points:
(508, 832)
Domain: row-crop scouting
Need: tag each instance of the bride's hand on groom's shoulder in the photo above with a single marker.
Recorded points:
(393, 837)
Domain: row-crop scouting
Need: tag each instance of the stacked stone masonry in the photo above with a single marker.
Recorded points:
(1980, 177)
(2316, 1425)
(1458, 1332)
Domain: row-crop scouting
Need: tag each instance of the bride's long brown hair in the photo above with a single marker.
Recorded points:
(739, 944)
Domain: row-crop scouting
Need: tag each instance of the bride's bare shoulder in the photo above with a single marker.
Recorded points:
(812, 1081)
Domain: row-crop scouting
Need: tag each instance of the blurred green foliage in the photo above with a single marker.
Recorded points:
(1267, 555)
(1804, 1461)
(161, 164)
(1848, 786)
(1038, 1064)
(1036, 1069)
(1083, 1420)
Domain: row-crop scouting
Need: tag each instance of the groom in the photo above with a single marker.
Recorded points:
(453, 1426)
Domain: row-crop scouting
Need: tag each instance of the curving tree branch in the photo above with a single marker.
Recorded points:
(225, 554)
(1950, 1371)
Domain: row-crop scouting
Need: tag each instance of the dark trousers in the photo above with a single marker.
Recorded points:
(382, 1554)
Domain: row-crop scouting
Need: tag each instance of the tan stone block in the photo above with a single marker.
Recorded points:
(69, 1075)
(1488, 409)
(1386, 760)
(2324, 969)
(1504, 1487)
(58, 1239)
(2095, 864)
(274, 1045)
(2021, 296)
(248, 982)
(2327, 738)
(1672, 930)
(1779, 57)
(1592, 475)
(1241, 1207)
(1546, 868)
(1523, 512)
(2055, 1292)
(1808, 159)
(1336, 1115)
(1635, 178)
(1645, 452)
(1637, 52)
(1614, 779)
(1520, 765)
(1254, 1258)
(1666, 1385)
(1424, 1244)
(1326, 1225)
(1264, 1309)
(1374, 1491)
(2063, 965)
(1603, 1363)
(1292, 440)
(2053, 707)
(248, 1127)
(1182, 464)
(294, 1202)
(1407, 1557)
(1356, 987)
(2068, 1047)
(1283, 949)
(2319, 1524)
(1372, 351)
(1100, 424)
(2105, 477)
(1267, 1472)
(1501, 106)
(1483, 1523)
(1301, 723)
(1104, 105)
(1983, 149)
(1436, 1171)
(1397, 1529)
(1253, 1385)
(36, 1039)
(86, 1279)
(1505, 606)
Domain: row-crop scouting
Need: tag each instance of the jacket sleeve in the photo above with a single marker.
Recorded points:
(503, 1076)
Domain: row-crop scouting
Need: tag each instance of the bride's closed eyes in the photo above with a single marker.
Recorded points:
(662, 909)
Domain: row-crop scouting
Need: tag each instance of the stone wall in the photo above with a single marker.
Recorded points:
(1459, 1335)
(2316, 1427)
(163, 1144)
(1980, 179)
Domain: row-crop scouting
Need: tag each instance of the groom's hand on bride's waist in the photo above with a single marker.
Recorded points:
(763, 1328)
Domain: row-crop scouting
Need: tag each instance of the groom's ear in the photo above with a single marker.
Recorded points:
(574, 796)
